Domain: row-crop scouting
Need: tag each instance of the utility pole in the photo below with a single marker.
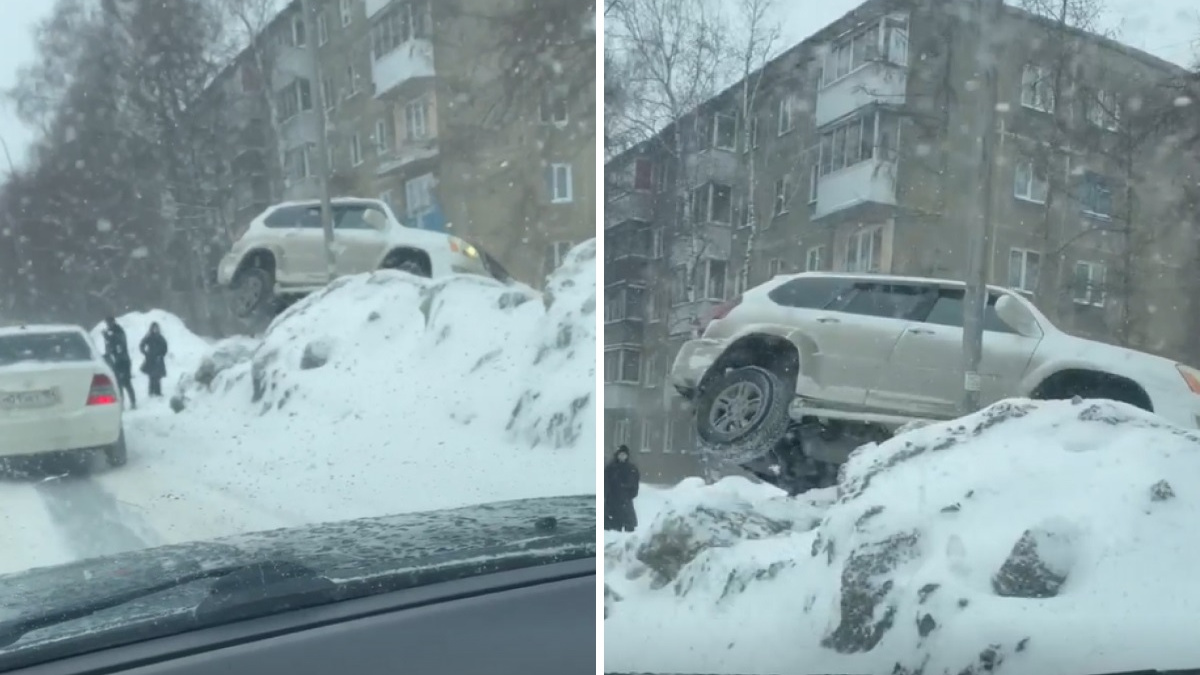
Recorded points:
(311, 43)
(987, 98)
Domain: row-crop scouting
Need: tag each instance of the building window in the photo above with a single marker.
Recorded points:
(352, 78)
(1104, 110)
(294, 99)
(857, 140)
(710, 279)
(679, 289)
(1037, 89)
(400, 23)
(651, 375)
(813, 259)
(347, 14)
(622, 366)
(621, 432)
(556, 252)
(418, 195)
(559, 183)
(643, 175)
(624, 303)
(864, 251)
(1096, 195)
(813, 181)
(851, 53)
(328, 92)
(383, 135)
(1089, 284)
(1024, 267)
(1029, 183)
(785, 115)
(298, 36)
(657, 249)
(781, 193)
(415, 120)
(775, 267)
(296, 160)
(553, 108)
(356, 156)
(322, 28)
(724, 132)
(713, 203)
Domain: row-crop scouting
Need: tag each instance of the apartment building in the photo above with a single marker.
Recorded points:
(405, 86)
(864, 144)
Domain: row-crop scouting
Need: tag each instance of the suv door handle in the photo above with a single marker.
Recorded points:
(829, 319)
(920, 331)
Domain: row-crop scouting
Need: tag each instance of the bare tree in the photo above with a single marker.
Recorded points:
(676, 53)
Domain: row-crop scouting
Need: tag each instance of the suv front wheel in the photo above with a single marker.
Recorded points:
(742, 414)
(253, 290)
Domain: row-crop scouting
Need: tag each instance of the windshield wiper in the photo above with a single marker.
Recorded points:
(239, 591)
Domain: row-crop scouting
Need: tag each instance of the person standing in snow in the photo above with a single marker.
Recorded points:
(621, 482)
(154, 365)
(116, 352)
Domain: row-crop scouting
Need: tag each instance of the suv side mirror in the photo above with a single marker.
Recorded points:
(1012, 312)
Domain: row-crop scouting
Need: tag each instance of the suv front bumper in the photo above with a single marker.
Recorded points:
(694, 359)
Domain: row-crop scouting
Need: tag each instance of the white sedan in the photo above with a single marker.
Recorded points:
(57, 395)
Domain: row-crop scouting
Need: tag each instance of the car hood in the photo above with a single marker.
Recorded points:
(545, 528)
(1148, 369)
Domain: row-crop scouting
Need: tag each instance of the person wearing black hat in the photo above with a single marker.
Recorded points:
(621, 482)
(116, 352)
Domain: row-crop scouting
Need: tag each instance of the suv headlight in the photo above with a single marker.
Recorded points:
(459, 246)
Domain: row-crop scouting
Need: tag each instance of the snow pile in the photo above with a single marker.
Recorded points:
(382, 393)
(1051, 537)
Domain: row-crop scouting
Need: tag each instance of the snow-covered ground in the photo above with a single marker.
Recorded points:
(383, 393)
(1056, 537)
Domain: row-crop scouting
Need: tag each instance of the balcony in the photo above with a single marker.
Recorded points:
(299, 129)
(397, 70)
(289, 63)
(876, 82)
(409, 156)
(713, 165)
(869, 182)
(632, 205)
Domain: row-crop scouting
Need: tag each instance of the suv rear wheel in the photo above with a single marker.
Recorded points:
(742, 414)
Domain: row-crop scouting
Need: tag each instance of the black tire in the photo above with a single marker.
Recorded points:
(253, 291)
(406, 263)
(761, 426)
(117, 454)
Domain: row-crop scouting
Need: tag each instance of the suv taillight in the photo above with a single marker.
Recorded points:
(720, 312)
(102, 392)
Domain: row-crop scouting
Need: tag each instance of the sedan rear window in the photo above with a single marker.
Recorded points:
(44, 347)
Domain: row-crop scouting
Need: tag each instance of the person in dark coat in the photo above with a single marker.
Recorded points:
(116, 352)
(154, 349)
(621, 482)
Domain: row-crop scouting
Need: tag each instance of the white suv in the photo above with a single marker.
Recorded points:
(282, 253)
(789, 379)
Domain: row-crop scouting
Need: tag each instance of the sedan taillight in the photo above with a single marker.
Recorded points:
(103, 392)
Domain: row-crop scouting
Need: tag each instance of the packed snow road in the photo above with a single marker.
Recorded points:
(384, 393)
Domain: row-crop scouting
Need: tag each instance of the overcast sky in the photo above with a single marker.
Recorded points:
(16, 34)
(1169, 29)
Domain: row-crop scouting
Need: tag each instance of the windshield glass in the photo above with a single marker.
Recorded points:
(902, 301)
(44, 347)
(339, 260)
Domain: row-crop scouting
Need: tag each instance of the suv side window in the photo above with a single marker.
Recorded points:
(948, 311)
(809, 293)
(294, 216)
(887, 301)
(358, 218)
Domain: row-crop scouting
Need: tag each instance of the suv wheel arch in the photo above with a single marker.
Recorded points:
(1085, 383)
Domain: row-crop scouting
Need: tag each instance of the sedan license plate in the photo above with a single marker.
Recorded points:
(28, 400)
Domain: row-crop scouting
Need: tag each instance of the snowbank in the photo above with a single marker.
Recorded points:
(383, 393)
(1052, 537)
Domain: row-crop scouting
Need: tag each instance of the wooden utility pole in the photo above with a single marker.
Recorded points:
(987, 97)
